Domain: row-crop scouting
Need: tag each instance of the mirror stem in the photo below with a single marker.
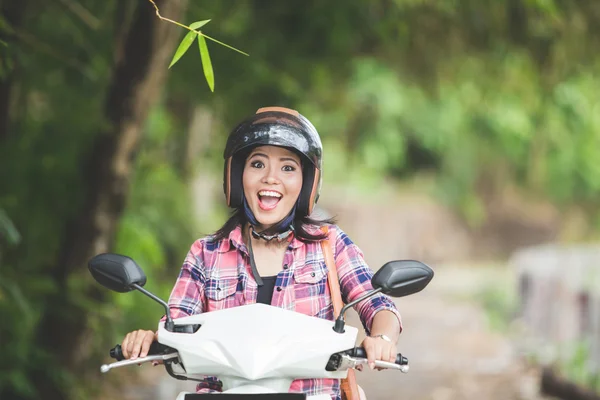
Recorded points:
(339, 322)
(169, 324)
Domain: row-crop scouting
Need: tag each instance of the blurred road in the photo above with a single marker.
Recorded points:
(453, 354)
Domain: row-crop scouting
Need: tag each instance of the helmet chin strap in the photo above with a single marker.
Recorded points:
(287, 222)
(280, 236)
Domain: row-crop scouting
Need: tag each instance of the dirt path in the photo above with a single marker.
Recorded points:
(453, 353)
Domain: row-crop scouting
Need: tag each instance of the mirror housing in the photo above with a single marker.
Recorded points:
(122, 274)
(396, 279)
(402, 278)
(116, 272)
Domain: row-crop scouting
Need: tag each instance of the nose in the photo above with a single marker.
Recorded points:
(270, 176)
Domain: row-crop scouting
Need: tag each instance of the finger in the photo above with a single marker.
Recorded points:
(131, 343)
(368, 345)
(392, 354)
(146, 342)
(385, 356)
(125, 346)
(378, 351)
(137, 344)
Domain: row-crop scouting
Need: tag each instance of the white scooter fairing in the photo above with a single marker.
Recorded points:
(258, 348)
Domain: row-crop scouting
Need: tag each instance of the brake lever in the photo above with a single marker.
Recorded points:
(351, 362)
(164, 357)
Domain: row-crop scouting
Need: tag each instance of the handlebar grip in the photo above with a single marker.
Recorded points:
(117, 353)
(360, 352)
(155, 348)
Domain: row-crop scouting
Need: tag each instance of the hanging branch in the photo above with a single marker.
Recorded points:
(203, 48)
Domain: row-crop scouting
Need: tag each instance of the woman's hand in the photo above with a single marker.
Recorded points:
(378, 348)
(137, 343)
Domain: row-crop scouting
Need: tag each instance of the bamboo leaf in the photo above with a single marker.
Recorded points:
(183, 47)
(199, 24)
(188, 40)
(206, 63)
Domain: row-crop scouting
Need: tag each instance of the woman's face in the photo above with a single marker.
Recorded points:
(272, 182)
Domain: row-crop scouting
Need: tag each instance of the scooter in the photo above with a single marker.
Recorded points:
(256, 350)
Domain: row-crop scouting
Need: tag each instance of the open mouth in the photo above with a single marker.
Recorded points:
(268, 199)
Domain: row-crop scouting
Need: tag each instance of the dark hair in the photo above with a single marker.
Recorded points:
(301, 225)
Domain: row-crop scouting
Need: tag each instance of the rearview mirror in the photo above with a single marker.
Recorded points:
(396, 279)
(402, 278)
(116, 272)
(122, 274)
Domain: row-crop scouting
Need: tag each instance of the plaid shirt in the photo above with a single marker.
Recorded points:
(217, 275)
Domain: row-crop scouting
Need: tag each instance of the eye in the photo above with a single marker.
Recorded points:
(288, 168)
(256, 164)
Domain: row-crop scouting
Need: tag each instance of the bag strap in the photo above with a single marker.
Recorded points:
(332, 277)
(348, 386)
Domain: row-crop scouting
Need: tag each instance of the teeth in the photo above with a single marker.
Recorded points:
(269, 193)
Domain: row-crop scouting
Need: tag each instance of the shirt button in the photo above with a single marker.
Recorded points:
(218, 289)
(285, 266)
(279, 289)
(312, 274)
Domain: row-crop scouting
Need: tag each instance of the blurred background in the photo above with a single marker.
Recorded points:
(462, 133)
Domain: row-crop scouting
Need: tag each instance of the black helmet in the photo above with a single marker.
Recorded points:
(275, 126)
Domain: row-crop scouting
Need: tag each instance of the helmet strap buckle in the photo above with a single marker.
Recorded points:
(279, 236)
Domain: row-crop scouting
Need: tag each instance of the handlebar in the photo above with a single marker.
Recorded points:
(357, 356)
(155, 348)
(157, 352)
(359, 352)
(338, 361)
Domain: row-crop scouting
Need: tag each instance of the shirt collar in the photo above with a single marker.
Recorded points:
(234, 239)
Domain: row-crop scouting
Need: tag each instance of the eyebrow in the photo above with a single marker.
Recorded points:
(280, 159)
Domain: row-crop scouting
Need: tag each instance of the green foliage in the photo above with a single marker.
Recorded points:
(500, 305)
(156, 229)
(56, 111)
(467, 93)
(53, 119)
(476, 128)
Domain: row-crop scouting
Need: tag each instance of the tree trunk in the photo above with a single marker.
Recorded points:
(142, 58)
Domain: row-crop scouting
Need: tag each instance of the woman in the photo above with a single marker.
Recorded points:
(269, 250)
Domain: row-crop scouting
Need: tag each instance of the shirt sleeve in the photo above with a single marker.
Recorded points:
(187, 296)
(355, 281)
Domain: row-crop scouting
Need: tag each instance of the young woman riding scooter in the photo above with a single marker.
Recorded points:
(269, 250)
